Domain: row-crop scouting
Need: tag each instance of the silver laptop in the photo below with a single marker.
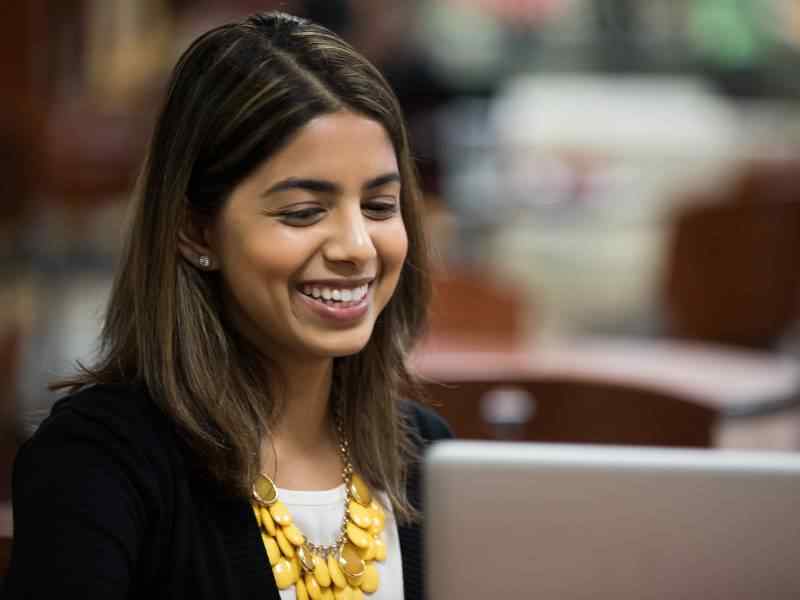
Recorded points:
(546, 521)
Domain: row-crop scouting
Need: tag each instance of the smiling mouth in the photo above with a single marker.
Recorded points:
(336, 297)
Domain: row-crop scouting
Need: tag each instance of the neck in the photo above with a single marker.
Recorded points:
(304, 434)
(305, 420)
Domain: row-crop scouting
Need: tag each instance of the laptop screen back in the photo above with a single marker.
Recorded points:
(548, 521)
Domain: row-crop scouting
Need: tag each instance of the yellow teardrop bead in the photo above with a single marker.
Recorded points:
(368, 553)
(295, 564)
(327, 594)
(380, 548)
(264, 490)
(378, 519)
(300, 589)
(286, 548)
(357, 594)
(335, 572)
(312, 587)
(306, 558)
(321, 573)
(350, 561)
(280, 514)
(257, 512)
(360, 516)
(266, 521)
(344, 593)
(273, 552)
(371, 579)
(294, 535)
(376, 528)
(358, 536)
(359, 490)
(283, 574)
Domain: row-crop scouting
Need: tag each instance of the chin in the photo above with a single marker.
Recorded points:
(346, 350)
(340, 348)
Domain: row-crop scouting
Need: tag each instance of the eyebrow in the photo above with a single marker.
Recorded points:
(328, 187)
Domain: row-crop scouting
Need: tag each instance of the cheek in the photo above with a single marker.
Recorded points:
(273, 254)
(393, 248)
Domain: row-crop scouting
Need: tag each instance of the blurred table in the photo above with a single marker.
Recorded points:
(722, 377)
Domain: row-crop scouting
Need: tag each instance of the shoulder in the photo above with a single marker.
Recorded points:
(100, 473)
(108, 399)
(114, 412)
(426, 422)
(110, 426)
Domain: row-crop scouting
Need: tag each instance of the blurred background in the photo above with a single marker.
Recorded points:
(612, 189)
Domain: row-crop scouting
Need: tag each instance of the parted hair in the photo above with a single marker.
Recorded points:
(236, 96)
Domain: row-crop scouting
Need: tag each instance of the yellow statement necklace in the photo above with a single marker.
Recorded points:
(342, 570)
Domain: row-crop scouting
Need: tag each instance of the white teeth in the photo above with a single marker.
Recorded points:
(339, 295)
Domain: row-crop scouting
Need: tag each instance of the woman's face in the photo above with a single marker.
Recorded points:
(310, 246)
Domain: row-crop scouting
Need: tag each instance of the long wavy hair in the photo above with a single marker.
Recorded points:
(236, 97)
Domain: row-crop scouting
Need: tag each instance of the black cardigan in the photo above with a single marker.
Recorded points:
(107, 504)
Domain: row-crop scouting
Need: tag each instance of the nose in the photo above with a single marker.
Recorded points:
(350, 240)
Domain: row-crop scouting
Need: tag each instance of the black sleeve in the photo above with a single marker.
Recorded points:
(78, 516)
(429, 424)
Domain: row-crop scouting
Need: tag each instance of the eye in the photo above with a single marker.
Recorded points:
(302, 216)
(380, 209)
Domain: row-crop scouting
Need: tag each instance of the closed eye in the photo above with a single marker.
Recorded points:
(380, 209)
(302, 216)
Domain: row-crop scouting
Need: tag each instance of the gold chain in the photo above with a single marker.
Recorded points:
(347, 476)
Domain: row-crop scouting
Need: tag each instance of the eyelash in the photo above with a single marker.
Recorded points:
(386, 210)
(379, 211)
(304, 214)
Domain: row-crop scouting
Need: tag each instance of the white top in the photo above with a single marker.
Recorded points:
(319, 516)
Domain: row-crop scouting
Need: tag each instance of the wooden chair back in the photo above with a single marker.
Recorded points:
(9, 438)
(5, 541)
(573, 409)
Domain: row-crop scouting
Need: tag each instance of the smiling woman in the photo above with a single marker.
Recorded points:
(244, 432)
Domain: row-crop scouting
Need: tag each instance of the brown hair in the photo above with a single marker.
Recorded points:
(236, 96)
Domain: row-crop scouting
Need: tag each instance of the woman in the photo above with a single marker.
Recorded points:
(252, 360)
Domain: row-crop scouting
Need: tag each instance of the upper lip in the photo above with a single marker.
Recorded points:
(338, 283)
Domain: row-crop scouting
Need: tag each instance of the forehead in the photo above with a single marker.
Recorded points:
(344, 147)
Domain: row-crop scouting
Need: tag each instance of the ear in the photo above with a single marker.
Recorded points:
(193, 244)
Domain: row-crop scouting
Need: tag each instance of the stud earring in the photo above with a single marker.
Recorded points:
(204, 261)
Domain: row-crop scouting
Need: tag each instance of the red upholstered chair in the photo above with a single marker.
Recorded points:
(732, 275)
(472, 310)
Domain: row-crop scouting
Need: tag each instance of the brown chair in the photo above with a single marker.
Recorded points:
(5, 539)
(470, 309)
(572, 409)
(732, 274)
(9, 438)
